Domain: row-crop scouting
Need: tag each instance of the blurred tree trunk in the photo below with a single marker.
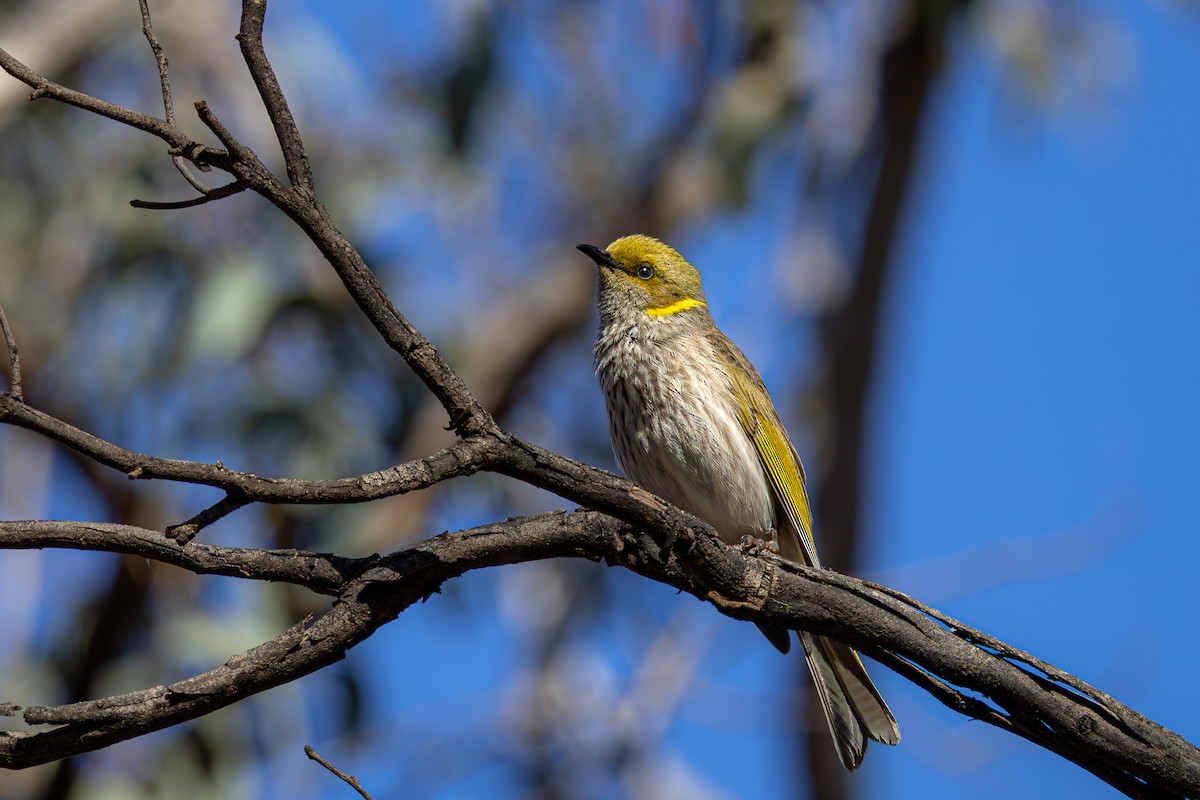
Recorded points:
(850, 332)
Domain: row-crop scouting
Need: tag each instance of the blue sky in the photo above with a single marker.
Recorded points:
(1037, 409)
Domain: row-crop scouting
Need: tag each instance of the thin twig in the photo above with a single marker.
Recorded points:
(186, 531)
(43, 87)
(164, 81)
(250, 38)
(350, 780)
(209, 118)
(188, 175)
(464, 457)
(160, 59)
(14, 360)
(209, 196)
(323, 573)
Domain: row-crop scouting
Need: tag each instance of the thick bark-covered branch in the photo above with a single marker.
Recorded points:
(971, 672)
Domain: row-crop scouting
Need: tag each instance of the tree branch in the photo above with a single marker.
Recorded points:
(209, 195)
(464, 457)
(43, 87)
(250, 38)
(323, 573)
(966, 669)
(466, 414)
(349, 780)
(15, 389)
(164, 81)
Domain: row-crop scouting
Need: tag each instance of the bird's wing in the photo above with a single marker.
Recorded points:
(852, 705)
(775, 450)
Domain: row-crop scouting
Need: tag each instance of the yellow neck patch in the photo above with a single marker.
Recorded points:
(674, 308)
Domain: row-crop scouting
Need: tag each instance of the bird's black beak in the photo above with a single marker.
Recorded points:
(601, 257)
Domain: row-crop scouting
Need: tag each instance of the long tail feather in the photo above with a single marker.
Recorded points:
(847, 733)
(874, 714)
(853, 708)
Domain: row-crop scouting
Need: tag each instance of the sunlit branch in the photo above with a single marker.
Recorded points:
(966, 669)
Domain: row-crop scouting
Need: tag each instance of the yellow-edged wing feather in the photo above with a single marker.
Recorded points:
(775, 450)
(852, 705)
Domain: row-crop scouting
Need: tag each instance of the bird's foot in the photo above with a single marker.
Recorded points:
(755, 546)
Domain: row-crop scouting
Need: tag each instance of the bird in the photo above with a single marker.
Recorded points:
(691, 421)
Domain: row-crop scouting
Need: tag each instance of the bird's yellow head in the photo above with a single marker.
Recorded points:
(641, 274)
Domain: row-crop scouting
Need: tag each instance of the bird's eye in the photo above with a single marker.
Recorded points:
(645, 271)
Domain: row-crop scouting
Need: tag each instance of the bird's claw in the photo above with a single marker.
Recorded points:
(755, 546)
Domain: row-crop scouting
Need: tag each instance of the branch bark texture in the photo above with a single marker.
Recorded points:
(967, 670)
